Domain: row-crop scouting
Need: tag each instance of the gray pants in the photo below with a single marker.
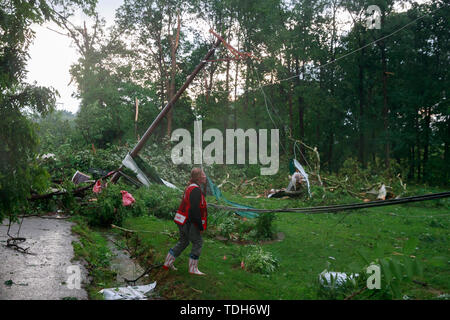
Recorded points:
(188, 233)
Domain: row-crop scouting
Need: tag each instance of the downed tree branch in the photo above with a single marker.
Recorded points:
(314, 150)
(154, 266)
(12, 242)
(134, 231)
(343, 185)
(61, 192)
(355, 294)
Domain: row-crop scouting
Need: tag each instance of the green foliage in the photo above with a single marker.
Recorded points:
(18, 168)
(19, 99)
(56, 129)
(93, 249)
(338, 289)
(157, 200)
(397, 269)
(228, 225)
(108, 209)
(258, 260)
(264, 226)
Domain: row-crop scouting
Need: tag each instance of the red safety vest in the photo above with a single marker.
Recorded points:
(183, 210)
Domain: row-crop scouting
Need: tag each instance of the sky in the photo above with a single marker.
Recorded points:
(52, 54)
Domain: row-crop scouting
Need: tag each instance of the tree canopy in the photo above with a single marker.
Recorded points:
(378, 96)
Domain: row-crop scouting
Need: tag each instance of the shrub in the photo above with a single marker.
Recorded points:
(227, 226)
(108, 208)
(264, 226)
(158, 200)
(259, 261)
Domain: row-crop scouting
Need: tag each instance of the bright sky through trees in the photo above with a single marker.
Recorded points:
(52, 54)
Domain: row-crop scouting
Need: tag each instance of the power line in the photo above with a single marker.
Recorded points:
(341, 57)
(344, 207)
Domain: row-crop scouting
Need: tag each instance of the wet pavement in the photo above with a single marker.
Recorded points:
(44, 274)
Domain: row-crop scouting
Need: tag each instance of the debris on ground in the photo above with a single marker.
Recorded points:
(332, 280)
(80, 177)
(129, 292)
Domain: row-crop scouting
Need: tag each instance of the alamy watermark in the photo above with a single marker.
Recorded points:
(74, 279)
(374, 280)
(373, 20)
(213, 153)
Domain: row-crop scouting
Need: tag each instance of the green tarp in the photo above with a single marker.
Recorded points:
(218, 194)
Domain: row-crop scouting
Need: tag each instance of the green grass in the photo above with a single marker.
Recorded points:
(92, 247)
(310, 241)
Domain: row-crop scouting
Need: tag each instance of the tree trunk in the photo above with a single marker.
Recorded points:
(426, 142)
(362, 122)
(301, 109)
(291, 113)
(174, 39)
(382, 45)
(411, 162)
(418, 147)
(330, 150)
(362, 157)
(235, 87)
(447, 151)
(227, 101)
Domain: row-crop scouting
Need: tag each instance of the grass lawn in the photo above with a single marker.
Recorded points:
(310, 241)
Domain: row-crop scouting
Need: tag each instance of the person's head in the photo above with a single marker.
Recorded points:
(198, 176)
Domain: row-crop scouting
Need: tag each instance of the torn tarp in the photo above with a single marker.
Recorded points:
(128, 293)
(80, 177)
(298, 166)
(147, 177)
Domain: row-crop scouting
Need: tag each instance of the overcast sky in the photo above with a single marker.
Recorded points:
(52, 54)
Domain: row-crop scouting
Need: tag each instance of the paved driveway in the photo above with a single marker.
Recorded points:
(44, 275)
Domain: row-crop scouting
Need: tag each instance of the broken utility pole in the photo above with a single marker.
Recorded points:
(168, 107)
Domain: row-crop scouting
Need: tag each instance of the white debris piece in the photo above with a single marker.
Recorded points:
(80, 177)
(331, 279)
(48, 156)
(382, 193)
(128, 293)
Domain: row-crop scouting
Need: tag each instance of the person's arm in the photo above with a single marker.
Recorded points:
(194, 210)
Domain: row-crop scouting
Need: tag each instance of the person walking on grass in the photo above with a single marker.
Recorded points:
(191, 218)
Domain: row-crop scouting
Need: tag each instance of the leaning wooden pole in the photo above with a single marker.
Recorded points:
(168, 107)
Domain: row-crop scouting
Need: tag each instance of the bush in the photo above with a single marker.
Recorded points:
(157, 200)
(108, 208)
(227, 226)
(264, 226)
(259, 261)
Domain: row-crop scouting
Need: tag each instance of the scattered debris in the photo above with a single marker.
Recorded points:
(382, 193)
(9, 283)
(332, 280)
(97, 187)
(80, 177)
(47, 156)
(196, 290)
(128, 293)
(127, 198)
